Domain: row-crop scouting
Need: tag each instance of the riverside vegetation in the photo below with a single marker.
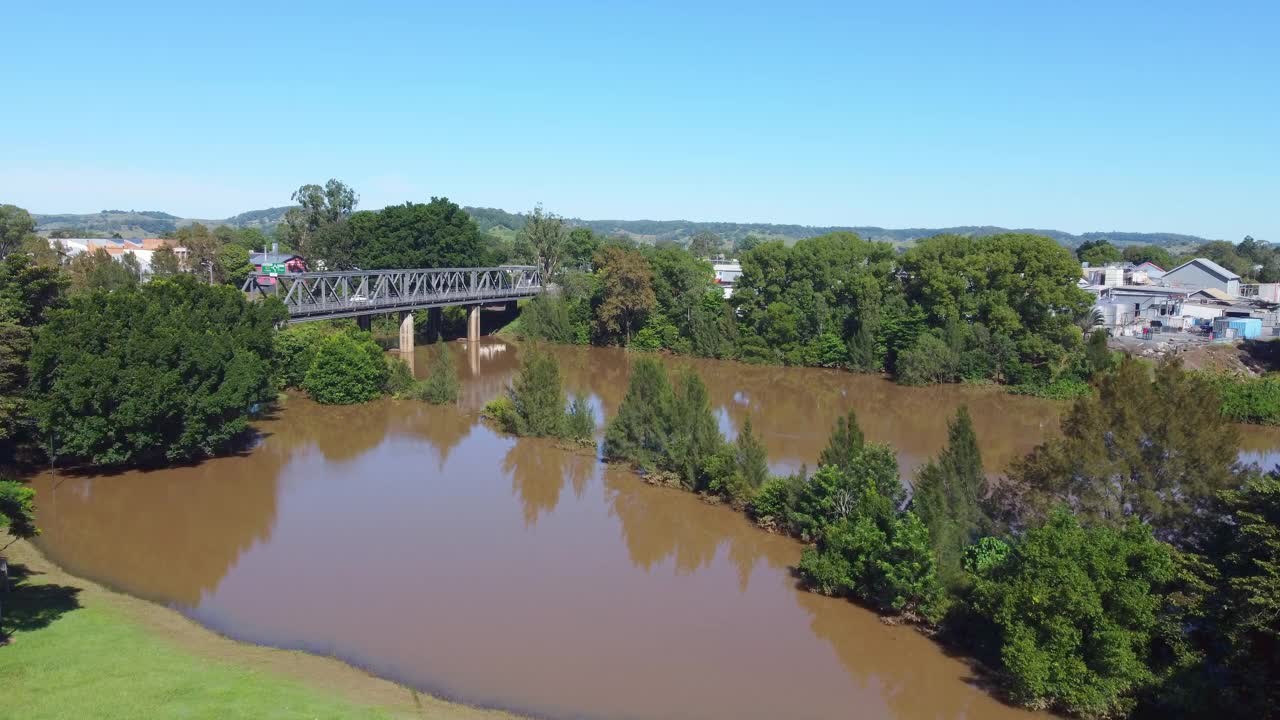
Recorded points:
(1127, 566)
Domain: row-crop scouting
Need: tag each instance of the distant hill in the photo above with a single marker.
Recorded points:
(149, 223)
(501, 223)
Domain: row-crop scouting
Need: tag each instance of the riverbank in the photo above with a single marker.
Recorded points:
(77, 649)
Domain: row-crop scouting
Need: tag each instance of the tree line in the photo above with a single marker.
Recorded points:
(1003, 309)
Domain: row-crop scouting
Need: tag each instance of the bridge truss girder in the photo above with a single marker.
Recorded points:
(327, 295)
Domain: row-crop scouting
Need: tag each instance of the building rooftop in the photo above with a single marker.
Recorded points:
(1209, 265)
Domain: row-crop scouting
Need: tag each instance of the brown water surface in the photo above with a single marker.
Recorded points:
(418, 543)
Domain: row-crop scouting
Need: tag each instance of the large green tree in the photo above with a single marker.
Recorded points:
(1098, 252)
(538, 396)
(873, 552)
(1138, 254)
(346, 368)
(1244, 628)
(438, 234)
(16, 228)
(1079, 614)
(641, 431)
(626, 286)
(1158, 449)
(548, 237)
(798, 304)
(28, 293)
(98, 270)
(1016, 286)
(318, 206)
(118, 378)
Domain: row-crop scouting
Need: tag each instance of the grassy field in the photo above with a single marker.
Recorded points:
(77, 650)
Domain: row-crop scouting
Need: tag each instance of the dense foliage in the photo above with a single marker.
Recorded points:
(1004, 308)
(1078, 614)
(17, 509)
(118, 379)
(441, 386)
(1155, 448)
(346, 368)
(28, 294)
(1248, 399)
(670, 429)
(1242, 635)
(535, 403)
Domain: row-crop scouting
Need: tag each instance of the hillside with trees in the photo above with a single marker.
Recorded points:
(506, 226)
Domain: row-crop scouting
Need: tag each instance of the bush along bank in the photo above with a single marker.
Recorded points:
(535, 405)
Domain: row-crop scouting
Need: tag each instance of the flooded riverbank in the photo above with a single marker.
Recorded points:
(418, 543)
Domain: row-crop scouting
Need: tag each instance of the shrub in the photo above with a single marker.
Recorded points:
(580, 422)
(929, 361)
(773, 502)
(538, 396)
(348, 368)
(295, 348)
(1064, 388)
(547, 318)
(17, 509)
(503, 414)
(441, 386)
(1249, 400)
(399, 376)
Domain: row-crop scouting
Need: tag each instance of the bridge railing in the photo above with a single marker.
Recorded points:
(313, 296)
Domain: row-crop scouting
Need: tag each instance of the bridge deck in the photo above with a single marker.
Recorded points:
(328, 295)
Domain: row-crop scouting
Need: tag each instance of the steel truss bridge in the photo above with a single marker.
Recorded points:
(357, 293)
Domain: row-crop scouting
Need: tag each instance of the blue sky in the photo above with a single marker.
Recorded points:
(1153, 116)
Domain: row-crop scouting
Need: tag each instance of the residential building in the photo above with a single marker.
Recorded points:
(727, 273)
(1202, 273)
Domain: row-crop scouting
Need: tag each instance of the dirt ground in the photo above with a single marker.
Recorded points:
(1196, 353)
(323, 673)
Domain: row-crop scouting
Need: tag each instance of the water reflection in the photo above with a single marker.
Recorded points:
(169, 536)
(416, 542)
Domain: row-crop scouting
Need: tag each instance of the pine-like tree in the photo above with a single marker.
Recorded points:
(845, 444)
(642, 430)
(752, 458)
(538, 396)
(948, 494)
(696, 434)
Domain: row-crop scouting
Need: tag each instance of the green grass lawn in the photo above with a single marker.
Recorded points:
(68, 661)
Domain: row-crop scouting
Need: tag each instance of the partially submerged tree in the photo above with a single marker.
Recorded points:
(641, 430)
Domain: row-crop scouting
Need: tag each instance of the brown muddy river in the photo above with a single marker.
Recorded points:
(417, 543)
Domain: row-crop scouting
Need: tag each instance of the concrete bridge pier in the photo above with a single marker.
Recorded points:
(406, 332)
(364, 322)
(473, 324)
(435, 323)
